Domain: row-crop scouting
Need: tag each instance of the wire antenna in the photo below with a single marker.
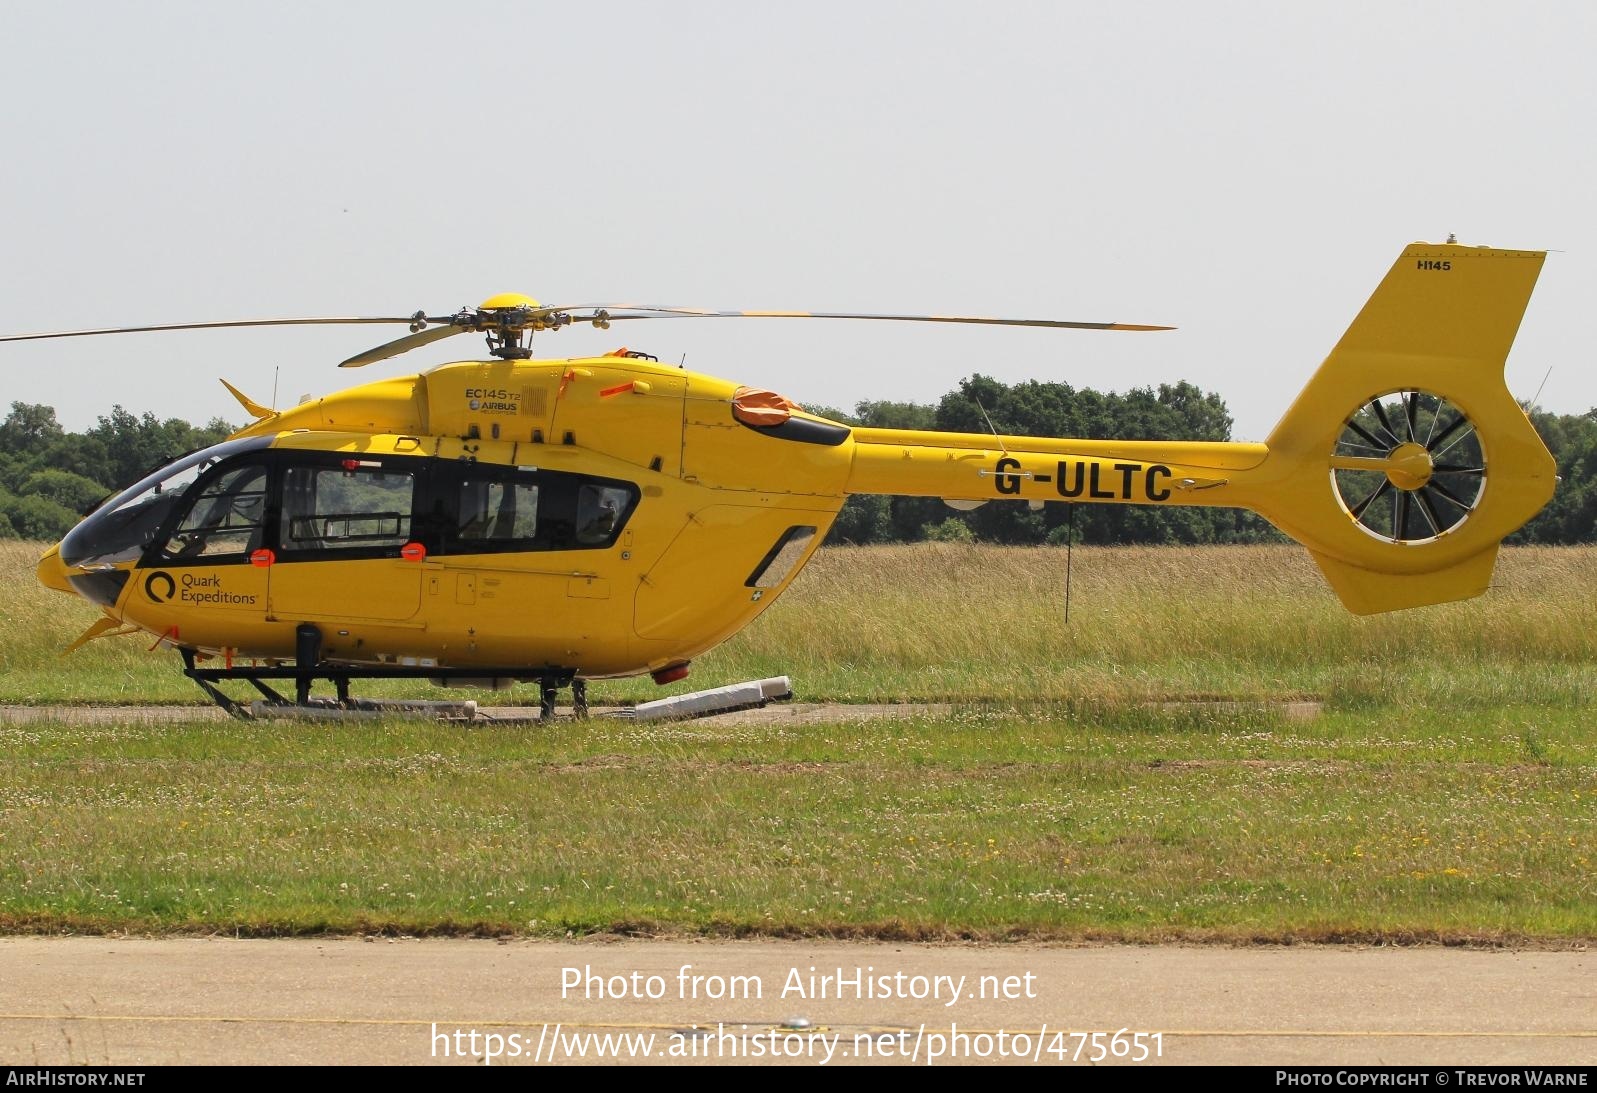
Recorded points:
(1537, 397)
(1070, 545)
(990, 428)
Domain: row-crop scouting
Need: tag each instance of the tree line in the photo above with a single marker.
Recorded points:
(49, 477)
(1171, 412)
(1178, 411)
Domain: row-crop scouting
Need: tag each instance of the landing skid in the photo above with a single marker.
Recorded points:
(274, 704)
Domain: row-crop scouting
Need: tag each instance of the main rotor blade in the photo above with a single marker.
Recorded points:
(347, 321)
(404, 345)
(637, 311)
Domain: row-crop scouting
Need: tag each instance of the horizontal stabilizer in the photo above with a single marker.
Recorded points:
(1366, 592)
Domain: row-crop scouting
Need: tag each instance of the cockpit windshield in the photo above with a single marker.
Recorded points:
(120, 529)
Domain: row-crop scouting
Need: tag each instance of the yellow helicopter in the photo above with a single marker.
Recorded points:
(556, 521)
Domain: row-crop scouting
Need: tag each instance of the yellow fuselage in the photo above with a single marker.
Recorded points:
(612, 516)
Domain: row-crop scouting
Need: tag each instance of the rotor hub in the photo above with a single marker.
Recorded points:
(1410, 466)
(509, 320)
(506, 300)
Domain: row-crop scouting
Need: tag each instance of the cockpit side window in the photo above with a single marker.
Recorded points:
(225, 517)
(127, 525)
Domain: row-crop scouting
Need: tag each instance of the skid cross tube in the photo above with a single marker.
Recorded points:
(549, 680)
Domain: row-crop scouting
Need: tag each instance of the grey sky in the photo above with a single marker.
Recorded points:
(1245, 171)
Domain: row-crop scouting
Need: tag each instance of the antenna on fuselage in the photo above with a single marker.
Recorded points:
(990, 428)
(1070, 546)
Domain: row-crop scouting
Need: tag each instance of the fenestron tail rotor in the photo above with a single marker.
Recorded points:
(509, 320)
(1409, 467)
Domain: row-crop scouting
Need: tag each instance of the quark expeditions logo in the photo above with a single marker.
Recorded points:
(196, 589)
(493, 400)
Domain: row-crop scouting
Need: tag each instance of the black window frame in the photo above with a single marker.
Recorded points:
(422, 522)
(435, 500)
(104, 535)
(156, 553)
(558, 493)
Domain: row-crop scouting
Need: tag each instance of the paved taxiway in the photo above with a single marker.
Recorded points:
(114, 1001)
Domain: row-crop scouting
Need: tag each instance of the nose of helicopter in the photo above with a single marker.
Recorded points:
(52, 573)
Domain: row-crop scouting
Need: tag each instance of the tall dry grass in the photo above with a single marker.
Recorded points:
(961, 621)
(964, 622)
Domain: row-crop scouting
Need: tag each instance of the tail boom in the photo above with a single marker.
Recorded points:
(1401, 466)
(970, 467)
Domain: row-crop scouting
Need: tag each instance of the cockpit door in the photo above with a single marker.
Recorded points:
(343, 529)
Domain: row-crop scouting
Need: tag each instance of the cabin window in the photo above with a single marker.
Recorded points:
(780, 561)
(599, 513)
(486, 509)
(496, 514)
(225, 517)
(353, 505)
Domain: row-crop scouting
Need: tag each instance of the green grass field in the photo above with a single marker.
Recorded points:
(1446, 793)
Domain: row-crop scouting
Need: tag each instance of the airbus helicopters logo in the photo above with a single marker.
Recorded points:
(493, 400)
